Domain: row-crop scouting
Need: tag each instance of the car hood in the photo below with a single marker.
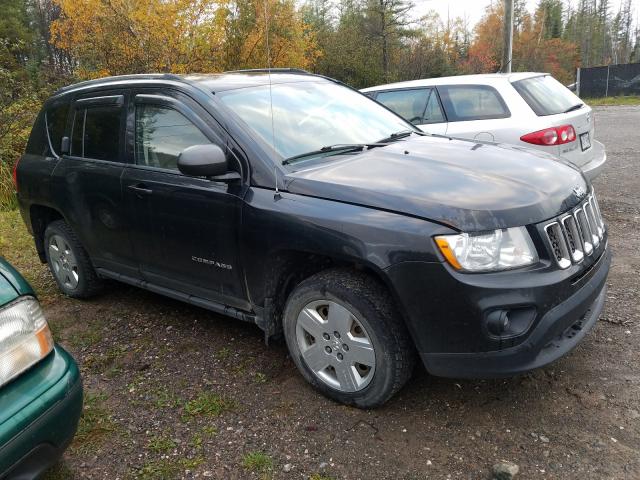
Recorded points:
(470, 186)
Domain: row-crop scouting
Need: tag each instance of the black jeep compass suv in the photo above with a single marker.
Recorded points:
(294, 202)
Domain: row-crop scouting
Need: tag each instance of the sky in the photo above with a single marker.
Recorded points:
(473, 9)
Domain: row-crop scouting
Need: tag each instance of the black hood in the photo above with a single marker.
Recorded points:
(467, 185)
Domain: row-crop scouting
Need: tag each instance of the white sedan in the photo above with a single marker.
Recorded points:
(528, 109)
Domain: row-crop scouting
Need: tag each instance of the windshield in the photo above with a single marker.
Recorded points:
(308, 116)
(546, 96)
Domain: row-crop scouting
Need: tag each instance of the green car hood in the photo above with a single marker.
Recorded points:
(12, 284)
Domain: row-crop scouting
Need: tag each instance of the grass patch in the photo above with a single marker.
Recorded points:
(197, 441)
(319, 476)
(95, 423)
(16, 245)
(260, 377)
(88, 336)
(258, 462)
(208, 404)
(613, 101)
(8, 199)
(163, 398)
(161, 444)
(191, 463)
(164, 469)
(60, 471)
(99, 363)
(223, 354)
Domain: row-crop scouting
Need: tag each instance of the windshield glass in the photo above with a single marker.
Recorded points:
(308, 116)
(545, 95)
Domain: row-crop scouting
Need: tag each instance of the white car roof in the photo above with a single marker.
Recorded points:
(483, 78)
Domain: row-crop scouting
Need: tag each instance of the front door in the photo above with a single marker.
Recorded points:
(186, 228)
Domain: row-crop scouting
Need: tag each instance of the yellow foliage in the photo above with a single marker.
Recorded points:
(111, 37)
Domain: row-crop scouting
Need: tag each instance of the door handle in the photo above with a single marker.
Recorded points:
(140, 189)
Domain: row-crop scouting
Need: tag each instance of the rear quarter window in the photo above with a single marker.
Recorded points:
(38, 143)
(546, 96)
(472, 102)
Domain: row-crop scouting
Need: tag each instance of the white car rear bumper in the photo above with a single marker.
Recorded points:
(592, 169)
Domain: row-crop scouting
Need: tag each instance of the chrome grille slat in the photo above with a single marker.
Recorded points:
(574, 240)
(597, 218)
(577, 234)
(558, 244)
(593, 224)
(585, 230)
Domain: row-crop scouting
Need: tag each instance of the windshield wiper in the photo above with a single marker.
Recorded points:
(575, 107)
(330, 149)
(399, 135)
(349, 147)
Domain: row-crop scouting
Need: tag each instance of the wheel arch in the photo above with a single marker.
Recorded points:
(41, 216)
(286, 269)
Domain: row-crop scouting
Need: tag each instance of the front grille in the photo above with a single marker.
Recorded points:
(577, 234)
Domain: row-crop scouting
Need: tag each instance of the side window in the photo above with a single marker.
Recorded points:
(409, 104)
(161, 134)
(433, 113)
(96, 132)
(472, 102)
(56, 123)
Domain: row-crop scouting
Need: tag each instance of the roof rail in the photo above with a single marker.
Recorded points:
(272, 70)
(139, 76)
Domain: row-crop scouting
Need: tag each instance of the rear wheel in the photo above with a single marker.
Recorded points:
(347, 338)
(69, 262)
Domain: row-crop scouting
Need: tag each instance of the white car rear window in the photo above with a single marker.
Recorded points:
(546, 96)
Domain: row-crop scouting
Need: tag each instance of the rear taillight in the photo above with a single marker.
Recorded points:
(15, 174)
(551, 136)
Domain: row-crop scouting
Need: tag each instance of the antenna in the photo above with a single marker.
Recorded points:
(273, 130)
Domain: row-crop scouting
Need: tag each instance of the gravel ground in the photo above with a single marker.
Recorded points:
(176, 392)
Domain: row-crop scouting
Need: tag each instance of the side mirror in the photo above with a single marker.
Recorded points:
(203, 161)
(65, 144)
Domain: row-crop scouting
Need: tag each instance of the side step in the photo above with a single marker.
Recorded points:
(183, 297)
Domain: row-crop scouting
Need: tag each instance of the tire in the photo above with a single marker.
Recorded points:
(69, 262)
(365, 366)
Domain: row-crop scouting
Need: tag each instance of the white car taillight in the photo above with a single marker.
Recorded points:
(25, 338)
(551, 136)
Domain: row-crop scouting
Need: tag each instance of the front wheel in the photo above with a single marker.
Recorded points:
(347, 338)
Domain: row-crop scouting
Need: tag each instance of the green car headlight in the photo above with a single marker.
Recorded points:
(25, 338)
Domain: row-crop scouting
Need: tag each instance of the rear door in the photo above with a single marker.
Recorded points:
(87, 179)
(419, 106)
(185, 229)
(475, 112)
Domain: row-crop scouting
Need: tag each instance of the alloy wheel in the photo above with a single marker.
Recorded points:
(335, 345)
(63, 262)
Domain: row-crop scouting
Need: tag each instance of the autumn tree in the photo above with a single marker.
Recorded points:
(252, 25)
(124, 36)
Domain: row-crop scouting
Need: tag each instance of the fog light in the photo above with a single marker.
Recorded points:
(498, 322)
(508, 323)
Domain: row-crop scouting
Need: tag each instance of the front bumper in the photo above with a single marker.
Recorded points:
(448, 324)
(39, 414)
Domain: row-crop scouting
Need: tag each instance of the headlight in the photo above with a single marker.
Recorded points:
(486, 252)
(25, 337)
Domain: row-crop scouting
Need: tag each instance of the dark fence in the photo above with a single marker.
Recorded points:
(609, 81)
